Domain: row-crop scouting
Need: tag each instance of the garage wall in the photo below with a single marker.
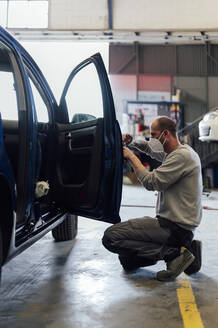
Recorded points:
(166, 15)
(78, 14)
(185, 60)
(154, 83)
(141, 15)
(194, 92)
(194, 96)
(191, 68)
(123, 88)
(213, 92)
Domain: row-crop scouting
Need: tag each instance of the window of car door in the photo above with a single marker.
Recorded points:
(10, 94)
(84, 98)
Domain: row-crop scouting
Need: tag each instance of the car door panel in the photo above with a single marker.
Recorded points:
(79, 162)
(89, 162)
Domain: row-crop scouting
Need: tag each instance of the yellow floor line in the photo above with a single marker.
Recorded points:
(188, 308)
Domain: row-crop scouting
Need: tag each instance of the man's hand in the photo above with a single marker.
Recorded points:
(127, 153)
(127, 139)
(134, 161)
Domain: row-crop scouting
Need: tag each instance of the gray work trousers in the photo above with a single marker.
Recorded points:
(143, 237)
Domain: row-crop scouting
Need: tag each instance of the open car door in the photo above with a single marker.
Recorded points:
(88, 148)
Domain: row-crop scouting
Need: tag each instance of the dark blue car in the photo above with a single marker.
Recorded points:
(54, 169)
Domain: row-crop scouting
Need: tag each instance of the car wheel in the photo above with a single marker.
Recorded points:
(67, 230)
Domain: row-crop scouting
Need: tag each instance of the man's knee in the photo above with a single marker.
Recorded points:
(112, 238)
(107, 240)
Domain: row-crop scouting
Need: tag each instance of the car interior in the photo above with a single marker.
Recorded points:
(75, 179)
(10, 124)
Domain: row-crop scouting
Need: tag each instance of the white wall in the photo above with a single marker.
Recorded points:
(167, 15)
(57, 59)
(78, 14)
(123, 88)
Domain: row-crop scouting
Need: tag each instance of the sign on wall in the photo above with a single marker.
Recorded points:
(153, 96)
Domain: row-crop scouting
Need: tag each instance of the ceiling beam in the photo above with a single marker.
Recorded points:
(146, 37)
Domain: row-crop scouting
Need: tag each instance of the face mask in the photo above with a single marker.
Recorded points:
(156, 148)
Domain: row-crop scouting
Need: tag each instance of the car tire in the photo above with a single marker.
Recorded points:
(67, 230)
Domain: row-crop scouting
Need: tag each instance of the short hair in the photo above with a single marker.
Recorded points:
(166, 123)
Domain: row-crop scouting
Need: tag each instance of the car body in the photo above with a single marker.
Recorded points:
(54, 170)
(208, 127)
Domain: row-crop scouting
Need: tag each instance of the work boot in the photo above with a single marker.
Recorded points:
(131, 263)
(196, 249)
(176, 266)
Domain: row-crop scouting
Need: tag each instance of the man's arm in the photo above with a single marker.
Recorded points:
(175, 167)
(142, 146)
(134, 161)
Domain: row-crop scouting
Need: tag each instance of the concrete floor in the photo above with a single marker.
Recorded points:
(79, 284)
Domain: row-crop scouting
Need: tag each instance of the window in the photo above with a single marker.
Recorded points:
(24, 13)
(8, 103)
(8, 92)
(84, 97)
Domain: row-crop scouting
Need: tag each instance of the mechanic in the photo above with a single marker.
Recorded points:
(143, 241)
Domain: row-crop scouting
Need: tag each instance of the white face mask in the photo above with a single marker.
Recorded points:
(156, 147)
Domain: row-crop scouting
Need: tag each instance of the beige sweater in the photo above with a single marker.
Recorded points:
(179, 182)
